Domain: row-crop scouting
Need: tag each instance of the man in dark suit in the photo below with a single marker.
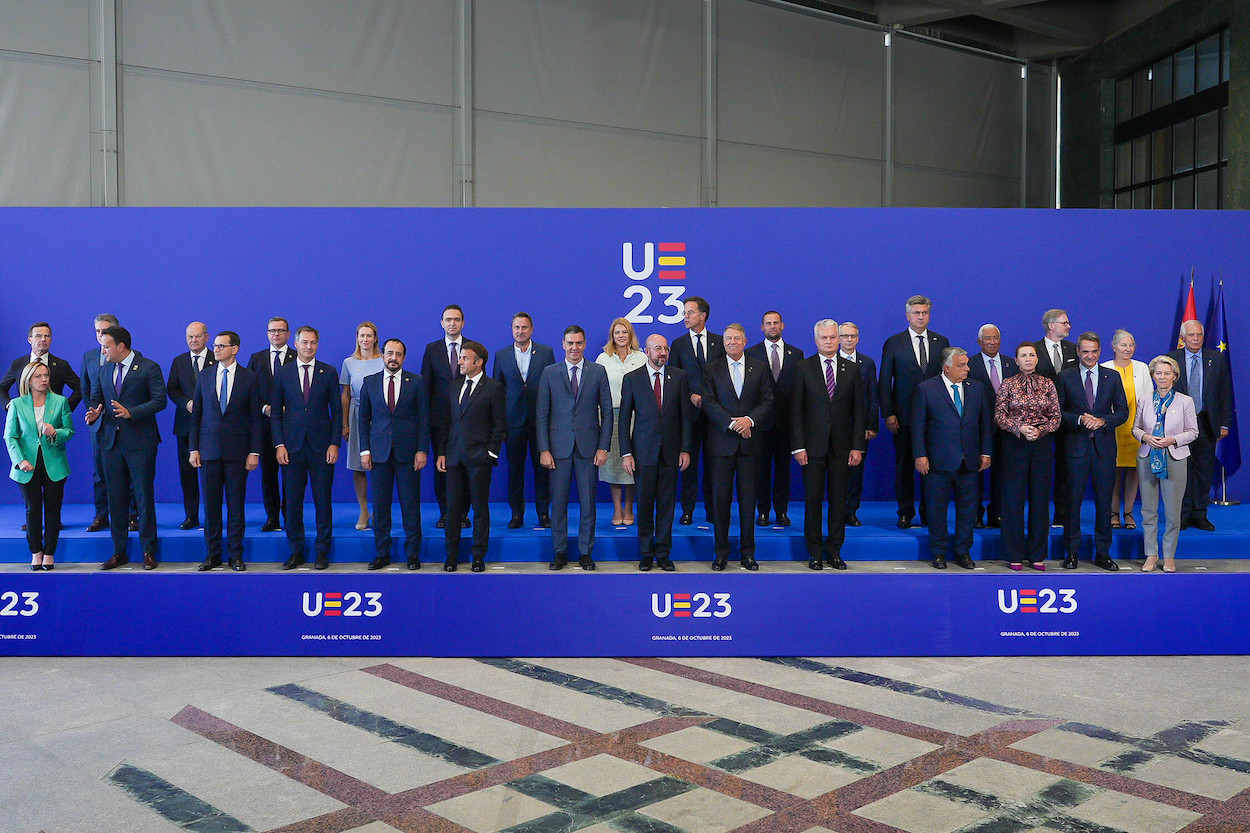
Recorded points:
(737, 397)
(848, 338)
(772, 486)
(477, 421)
(574, 416)
(307, 421)
(440, 365)
(656, 421)
(907, 359)
(518, 367)
(1092, 405)
(184, 372)
(1056, 354)
(92, 361)
(1205, 379)
(266, 364)
(990, 367)
(691, 353)
(62, 376)
(394, 435)
(225, 439)
(130, 394)
(950, 429)
(827, 430)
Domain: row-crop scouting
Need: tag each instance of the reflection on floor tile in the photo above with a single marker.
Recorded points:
(491, 809)
(703, 811)
(1129, 813)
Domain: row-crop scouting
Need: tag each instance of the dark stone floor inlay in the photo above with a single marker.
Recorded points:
(174, 803)
(578, 809)
(583, 685)
(1179, 741)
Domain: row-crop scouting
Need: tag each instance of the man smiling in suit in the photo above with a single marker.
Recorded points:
(519, 367)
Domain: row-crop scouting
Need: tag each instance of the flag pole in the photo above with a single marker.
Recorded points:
(1224, 501)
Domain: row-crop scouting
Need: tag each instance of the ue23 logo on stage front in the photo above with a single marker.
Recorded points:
(342, 604)
(687, 605)
(1037, 601)
(671, 276)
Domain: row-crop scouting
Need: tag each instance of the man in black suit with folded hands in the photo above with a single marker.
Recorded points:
(827, 431)
(1092, 405)
(772, 486)
(1204, 378)
(184, 372)
(225, 440)
(266, 364)
(477, 421)
(691, 353)
(61, 375)
(737, 397)
(656, 420)
(394, 435)
(307, 415)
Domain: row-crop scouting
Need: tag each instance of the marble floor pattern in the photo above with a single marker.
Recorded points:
(641, 745)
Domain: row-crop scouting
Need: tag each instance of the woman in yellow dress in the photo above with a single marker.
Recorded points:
(1137, 384)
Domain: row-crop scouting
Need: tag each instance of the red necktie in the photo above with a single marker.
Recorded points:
(307, 381)
(390, 394)
(659, 400)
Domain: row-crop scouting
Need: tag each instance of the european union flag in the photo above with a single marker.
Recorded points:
(1227, 450)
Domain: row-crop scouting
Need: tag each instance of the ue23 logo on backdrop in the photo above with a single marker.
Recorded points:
(672, 281)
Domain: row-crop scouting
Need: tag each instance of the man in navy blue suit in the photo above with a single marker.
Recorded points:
(1204, 378)
(848, 339)
(1092, 405)
(691, 353)
(440, 365)
(656, 421)
(184, 373)
(130, 394)
(951, 437)
(574, 416)
(225, 441)
(307, 418)
(265, 364)
(1056, 354)
(907, 359)
(394, 436)
(518, 367)
(990, 367)
(92, 361)
(772, 483)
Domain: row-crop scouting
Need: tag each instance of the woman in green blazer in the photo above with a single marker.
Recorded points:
(38, 426)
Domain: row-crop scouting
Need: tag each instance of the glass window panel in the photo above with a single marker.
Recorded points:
(1183, 192)
(1141, 198)
(1141, 91)
(1161, 83)
(1141, 159)
(1207, 190)
(1209, 62)
(1183, 74)
(1207, 140)
(1225, 52)
(1183, 146)
(1224, 134)
(1161, 195)
(1123, 164)
(1124, 99)
(1161, 153)
(1124, 200)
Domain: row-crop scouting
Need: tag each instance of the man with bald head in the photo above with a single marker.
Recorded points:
(184, 370)
(990, 367)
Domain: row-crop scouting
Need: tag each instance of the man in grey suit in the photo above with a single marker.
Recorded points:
(574, 416)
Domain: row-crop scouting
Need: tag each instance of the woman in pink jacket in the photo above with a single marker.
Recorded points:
(1165, 426)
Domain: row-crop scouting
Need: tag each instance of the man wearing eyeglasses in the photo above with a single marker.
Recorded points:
(184, 370)
(266, 364)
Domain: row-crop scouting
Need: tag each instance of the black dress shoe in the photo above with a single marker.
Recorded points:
(994, 522)
(586, 563)
(134, 525)
(322, 562)
(98, 525)
(979, 524)
(116, 561)
(414, 563)
(720, 562)
(783, 520)
(479, 566)
(441, 523)
(686, 519)
(815, 564)
(837, 563)
(189, 524)
(449, 566)
(852, 520)
(939, 563)
(1106, 564)
(644, 564)
(557, 563)
(464, 522)
(903, 522)
(665, 564)
(965, 562)
(1203, 524)
(516, 522)
(378, 563)
(237, 565)
(544, 521)
(208, 564)
(1069, 562)
(762, 520)
(271, 525)
(293, 562)
(748, 563)
(149, 561)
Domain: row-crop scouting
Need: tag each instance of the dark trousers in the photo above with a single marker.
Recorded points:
(387, 477)
(438, 437)
(226, 478)
(772, 484)
(1081, 470)
(657, 502)
(855, 485)
(270, 485)
(994, 479)
(905, 476)
(690, 477)
(99, 485)
(825, 475)
(1025, 470)
(938, 487)
(305, 465)
(1201, 470)
(724, 471)
(468, 484)
(587, 480)
(189, 480)
(43, 509)
(131, 474)
(522, 444)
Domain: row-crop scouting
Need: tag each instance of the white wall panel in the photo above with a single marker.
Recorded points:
(45, 27)
(754, 176)
(389, 48)
(932, 188)
(191, 141)
(796, 81)
(624, 63)
(528, 162)
(45, 140)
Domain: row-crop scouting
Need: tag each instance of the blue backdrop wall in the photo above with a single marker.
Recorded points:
(158, 269)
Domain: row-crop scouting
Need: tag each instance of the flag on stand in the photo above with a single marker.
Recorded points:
(1227, 450)
(1186, 310)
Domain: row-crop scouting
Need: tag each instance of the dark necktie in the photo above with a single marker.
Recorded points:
(390, 393)
(464, 397)
(224, 393)
(117, 379)
(573, 382)
(277, 363)
(1089, 388)
(307, 382)
(775, 361)
(195, 360)
(699, 355)
(455, 361)
(659, 397)
(831, 384)
(924, 353)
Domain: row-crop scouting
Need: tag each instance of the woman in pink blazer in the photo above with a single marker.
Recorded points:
(1166, 424)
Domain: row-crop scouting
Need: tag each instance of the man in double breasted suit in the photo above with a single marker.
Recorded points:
(519, 367)
(224, 439)
(737, 399)
(574, 414)
(772, 486)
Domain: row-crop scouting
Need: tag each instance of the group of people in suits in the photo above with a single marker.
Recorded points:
(1046, 423)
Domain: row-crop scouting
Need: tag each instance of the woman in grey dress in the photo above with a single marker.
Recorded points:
(366, 361)
(620, 355)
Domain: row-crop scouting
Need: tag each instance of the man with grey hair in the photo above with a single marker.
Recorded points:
(950, 429)
(1056, 354)
(1204, 378)
(848, 339)
(907, 359)
(991, 368)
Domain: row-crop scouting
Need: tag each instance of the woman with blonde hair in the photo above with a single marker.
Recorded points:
(365, 361)
(1165, 426)
(35, 433)
(1137, 386)
(620, 355)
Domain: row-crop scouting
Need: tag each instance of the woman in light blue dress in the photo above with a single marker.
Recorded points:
(366, 361)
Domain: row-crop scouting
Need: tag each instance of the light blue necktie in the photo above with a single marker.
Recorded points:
(737, 378)
(959, 402)
(225, 388)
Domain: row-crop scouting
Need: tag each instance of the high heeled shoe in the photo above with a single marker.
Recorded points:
(47, 568)
(1016, 566)
(1169, 565)
(363, 523)
(1149, 566)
